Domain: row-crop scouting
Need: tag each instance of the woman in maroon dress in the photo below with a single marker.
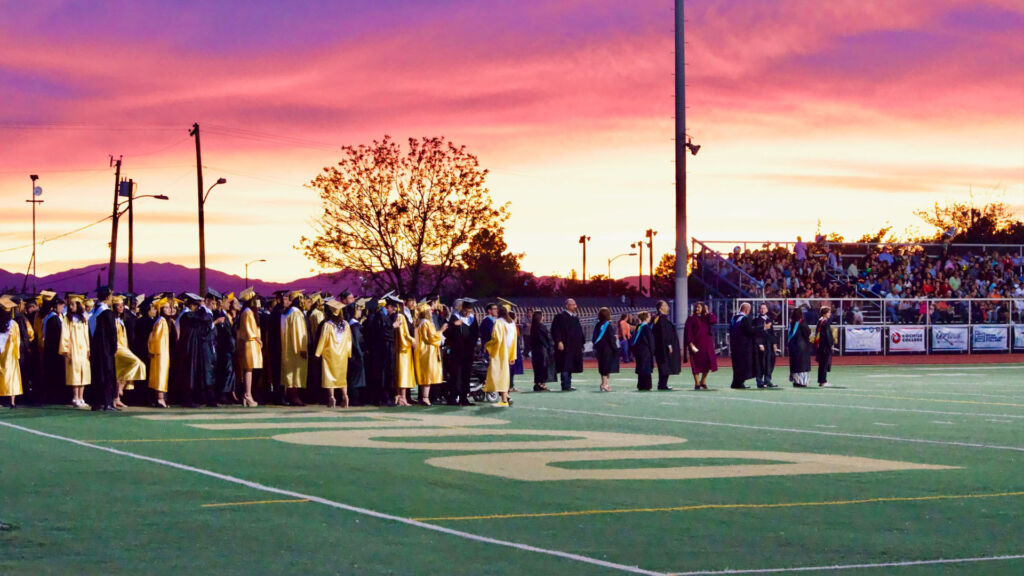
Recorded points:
(699, 344)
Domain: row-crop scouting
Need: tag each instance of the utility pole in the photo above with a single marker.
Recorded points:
(36, 191)
(682, 290)
(583, 240)
(202, 220)
(113, 222)
(131, 237)
(650, 234)
(639, 247)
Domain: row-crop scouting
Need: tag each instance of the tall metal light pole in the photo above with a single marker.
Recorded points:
(639, 247)
(247, 270)
(610, 260)
(131, 230)
(650, 234)
(583, 240)
(681, 292)
(36, 192)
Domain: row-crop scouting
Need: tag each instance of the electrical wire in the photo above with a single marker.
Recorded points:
(59, 236)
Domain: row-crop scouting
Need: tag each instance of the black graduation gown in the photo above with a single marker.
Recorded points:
(799, 346)
(315, 370)
(542, 354)
(566, 329)
(642, 348)
(356, 373)
(272, 332)
(102, 347)
(54, 371)
(741, 348)
(606, 349)
(225, 364)
(461, 344)
(140, 342)
(200, 356)
(665, 336)
(764, 360)
(380, 357)
(825, 341)
(28, 363)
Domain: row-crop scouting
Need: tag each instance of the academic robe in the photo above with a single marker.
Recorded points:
(698, 331)
(405, 356)
(224, 367)
(356, 373)
(74, 346)
(567, 331)
(250, 343)
(741, 349)
(334, 350)
(54, 371)
(501, 351)
(102, 350)
(606, 349)
(127, 366)
(798, 342)
(314, 323)
(294, 341)
(642, 348)
(380, 357)
(824, 340)
(667, 352)
(159, 348)
(764, 350)
(27, 359)
(272, 333)
(542, 354)
(200, 356)
(428, 354)
(139, 341)
(10, 353)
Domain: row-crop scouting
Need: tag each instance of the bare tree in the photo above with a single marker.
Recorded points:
(404, 218)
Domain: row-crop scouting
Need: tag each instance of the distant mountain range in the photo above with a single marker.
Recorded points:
(151, 277)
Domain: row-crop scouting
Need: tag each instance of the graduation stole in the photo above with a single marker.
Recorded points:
(792, 332)
(639, 329)
(604, 327)
(735, 319)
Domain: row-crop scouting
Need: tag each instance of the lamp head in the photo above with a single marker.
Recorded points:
(225, 180)
(34, 177)
(694, 148)
(161, 197)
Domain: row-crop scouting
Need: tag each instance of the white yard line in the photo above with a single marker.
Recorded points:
(852, 407)
(777, 429)
(346, 507)
(853, 566)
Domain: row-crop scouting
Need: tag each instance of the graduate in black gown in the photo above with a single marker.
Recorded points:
(139, 344)
(764, 348)
(741, 346)
(102, 347)
(460, 339)
(606, 348)
(380, 352)
(824, 340)
(798, 343)
(542, 353)
(272, 358)
(198, 337)
(356, 369)
(53, 368)
(225, 345)
(667, 353)
(642, 348)
(567, 334)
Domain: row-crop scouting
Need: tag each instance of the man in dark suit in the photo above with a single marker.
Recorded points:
(741, 347)
(567, 334)
(460, 338)
(102, 347)
(667, 353)
(765, 345)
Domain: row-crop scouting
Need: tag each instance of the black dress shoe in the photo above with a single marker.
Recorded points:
(569, 389)
(761, 386)
(799, 386)
(467, 403)
(770, 385)
(666, 388)
(740, 387)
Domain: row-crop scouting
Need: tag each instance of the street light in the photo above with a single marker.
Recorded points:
(650, 234)
(202, 232)
(610, 260)
(583, 240)
(129, 185)
(247, 270)
(36, 191)
(639, 247)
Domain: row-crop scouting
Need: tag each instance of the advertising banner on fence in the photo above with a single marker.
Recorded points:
(906, 338)
(1018, 337)
(949, 338)
(989, 338)
(863, 339)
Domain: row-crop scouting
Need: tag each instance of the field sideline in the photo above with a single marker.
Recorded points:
(902, 470)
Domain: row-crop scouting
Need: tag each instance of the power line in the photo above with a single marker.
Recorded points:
(59, 236)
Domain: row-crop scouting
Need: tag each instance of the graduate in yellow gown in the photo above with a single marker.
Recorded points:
(334, 350)
(428, 352)
(74, 347)
(127, 366)
(405, 359)
(160, 351)
(250, 343)
(294, 348)
(10, 345)
(501, 352)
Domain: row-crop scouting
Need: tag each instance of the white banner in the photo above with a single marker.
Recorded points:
(906, 338)
(948, 338)
(1018, 337)
(863, 339)
(989, 338)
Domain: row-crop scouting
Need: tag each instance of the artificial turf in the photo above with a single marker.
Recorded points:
(71, 509)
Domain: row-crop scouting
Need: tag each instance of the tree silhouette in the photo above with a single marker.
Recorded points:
(403, 218)
(488, 267)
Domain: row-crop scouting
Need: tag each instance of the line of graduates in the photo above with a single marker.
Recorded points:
(754, 345)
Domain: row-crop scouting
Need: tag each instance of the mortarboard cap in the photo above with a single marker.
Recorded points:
(334, 306)
(211, 293)
(7, 302)
(506, 302)
(190, 298)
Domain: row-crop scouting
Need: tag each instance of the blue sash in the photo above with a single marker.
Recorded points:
(792, 332)
(604, 327)
(639, 329)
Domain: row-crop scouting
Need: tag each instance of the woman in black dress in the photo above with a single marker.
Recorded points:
(542, 353)
(798, 341)
(642, 348)
(606, 348)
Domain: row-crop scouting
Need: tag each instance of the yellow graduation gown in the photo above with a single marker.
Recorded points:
(428, 354)
(316, 317)
(405, 352)
(250, 342)
(294, 341)
(334, 350)
(159, 355)
(10, 371)
(74, 346)
(501, 349)
(127, 365)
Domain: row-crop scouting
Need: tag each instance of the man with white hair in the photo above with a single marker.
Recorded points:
(741, 346)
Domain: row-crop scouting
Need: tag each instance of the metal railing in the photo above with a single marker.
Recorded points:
(716, 271)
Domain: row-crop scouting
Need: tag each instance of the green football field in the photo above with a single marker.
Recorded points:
(906, 470)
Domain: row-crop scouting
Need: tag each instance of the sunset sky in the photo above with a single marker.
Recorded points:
(851, 112)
